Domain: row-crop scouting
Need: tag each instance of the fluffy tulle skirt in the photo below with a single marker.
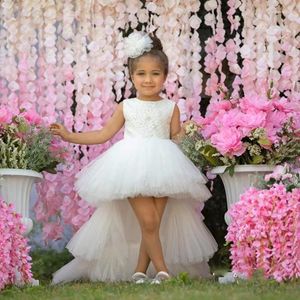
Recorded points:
(132, 167)
(106, 247)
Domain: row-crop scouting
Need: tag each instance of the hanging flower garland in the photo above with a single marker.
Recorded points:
(233, 46)
(216, 51)
(290, 49)
(248, 50)
(176, 23)
(27, 56)
(47, 205)
(10, 71)
(273, 57)
(3, 88)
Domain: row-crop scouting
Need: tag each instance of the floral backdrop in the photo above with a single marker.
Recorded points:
(65, 59)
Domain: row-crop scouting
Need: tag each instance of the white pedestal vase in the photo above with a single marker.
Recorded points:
(15, 187)
(244, 176)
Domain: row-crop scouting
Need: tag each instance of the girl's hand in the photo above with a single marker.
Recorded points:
(190, 127)
(189, 123)
(187, 128)
(60, 130)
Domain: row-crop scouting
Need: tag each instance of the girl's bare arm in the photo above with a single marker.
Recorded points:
(175, 129)
(114, 124)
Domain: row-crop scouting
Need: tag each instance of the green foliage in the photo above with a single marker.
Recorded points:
(38, 155)
(201, 153)
(13, 153)
(179, 288)
(46, 262)
(27, 146)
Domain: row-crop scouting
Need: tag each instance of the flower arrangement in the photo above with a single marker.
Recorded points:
(251, 130)
(15, 266)
(265, 228)
(25, 143)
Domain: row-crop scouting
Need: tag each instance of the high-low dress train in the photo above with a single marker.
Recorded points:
(146, 162)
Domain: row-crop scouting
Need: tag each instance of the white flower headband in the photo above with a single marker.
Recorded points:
(137, 43)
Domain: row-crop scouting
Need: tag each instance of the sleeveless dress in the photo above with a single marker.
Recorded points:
(145, 162)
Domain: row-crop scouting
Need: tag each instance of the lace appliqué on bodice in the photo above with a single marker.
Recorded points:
(144, 119)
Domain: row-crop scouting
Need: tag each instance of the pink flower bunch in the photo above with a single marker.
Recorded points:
(26, 143)
(15, 266)
(265, 233)
(254, 129)
(230, 125)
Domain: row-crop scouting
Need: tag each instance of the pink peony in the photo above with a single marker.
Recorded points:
(255, 102)
(252, 119)
(219, 105)
(228, 141)
(231, 118)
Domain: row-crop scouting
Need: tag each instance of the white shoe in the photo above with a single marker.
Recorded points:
(160, 276)
(139, 278)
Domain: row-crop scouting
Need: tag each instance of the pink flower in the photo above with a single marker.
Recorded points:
(14, 250)
(283, 104)
(232, 118)
(228, 142)
(52, 231)
(219, 105)
(32, 117)
(5, 115)
(252, 119)
(265, 232)
(255, 102)
(277, 173)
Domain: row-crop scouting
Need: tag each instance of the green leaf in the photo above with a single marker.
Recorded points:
(208, 152)
(230, 170)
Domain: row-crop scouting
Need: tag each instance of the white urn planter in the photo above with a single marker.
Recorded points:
(15, 187)
(244, 177)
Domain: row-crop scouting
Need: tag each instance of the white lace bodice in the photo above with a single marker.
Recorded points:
(144, 119)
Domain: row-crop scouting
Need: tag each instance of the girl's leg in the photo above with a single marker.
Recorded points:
(149, 220)
(144, 259)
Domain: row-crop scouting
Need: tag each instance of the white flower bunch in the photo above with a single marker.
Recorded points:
(137, 43)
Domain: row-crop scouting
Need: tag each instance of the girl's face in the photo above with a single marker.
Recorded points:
(148, 78)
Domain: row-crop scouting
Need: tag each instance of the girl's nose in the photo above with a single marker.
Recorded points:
(148, 78)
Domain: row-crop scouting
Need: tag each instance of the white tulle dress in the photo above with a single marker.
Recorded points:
(146, 162)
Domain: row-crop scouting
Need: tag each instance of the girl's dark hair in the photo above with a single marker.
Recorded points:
(156, 51)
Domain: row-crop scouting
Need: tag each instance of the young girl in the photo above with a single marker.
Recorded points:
(145, 189)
